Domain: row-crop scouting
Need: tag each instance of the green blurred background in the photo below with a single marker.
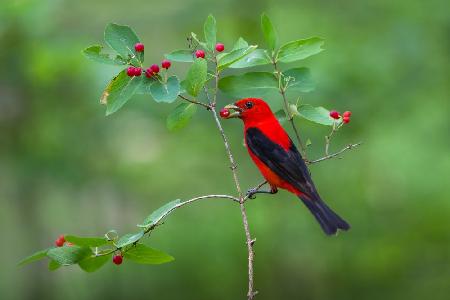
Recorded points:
(65, 168)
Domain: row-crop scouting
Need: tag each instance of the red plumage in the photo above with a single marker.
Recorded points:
(279, 161)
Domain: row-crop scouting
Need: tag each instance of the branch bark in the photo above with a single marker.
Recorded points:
(348, 147)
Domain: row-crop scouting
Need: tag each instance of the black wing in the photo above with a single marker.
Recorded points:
(288, 164)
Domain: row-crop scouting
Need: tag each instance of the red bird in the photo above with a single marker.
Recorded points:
(279, 161)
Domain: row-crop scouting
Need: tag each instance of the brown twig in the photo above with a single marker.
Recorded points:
(195, 102)
(348, 147)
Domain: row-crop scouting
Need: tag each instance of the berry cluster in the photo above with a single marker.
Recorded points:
(345, 116)
(152, 70)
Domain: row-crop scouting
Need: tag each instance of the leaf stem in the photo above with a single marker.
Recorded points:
(195, 102)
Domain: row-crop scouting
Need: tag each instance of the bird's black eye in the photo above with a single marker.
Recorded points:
(249, 104)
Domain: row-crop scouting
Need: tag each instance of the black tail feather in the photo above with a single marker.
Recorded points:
(328, 219)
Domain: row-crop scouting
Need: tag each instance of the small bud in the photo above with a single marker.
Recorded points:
(139, 47)
(166, 64)
(220, 47)
(334, 114)
(200, 54)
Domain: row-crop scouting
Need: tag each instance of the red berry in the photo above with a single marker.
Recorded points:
(139, 47)
(60, 241)
(117, 259)
(137, 71)
(334, 114)
(130, 71)
(200, 54)
(346, 120)
(149, 73)
(224, 113)
(155, 68)
(220, 47)
(166, 64)
(347, 114)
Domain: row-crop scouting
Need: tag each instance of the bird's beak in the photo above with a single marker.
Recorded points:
(236, 111)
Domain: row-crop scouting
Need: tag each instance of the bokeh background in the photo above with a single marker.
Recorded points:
(65, 168)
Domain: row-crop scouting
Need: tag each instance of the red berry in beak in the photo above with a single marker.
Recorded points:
(139, 47)
(220, 47)
(200, 54)
(224, 113)
(334, 114)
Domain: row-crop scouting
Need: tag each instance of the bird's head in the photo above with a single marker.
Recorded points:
(249, 110)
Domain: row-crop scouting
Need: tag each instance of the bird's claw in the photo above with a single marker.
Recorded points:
(251, 193)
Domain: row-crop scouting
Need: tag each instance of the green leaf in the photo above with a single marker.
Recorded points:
(196, 77)
(129, 239)
(68, 255)
(166, 92)
(122, 39)
(33, 257)
(145, 255)
(120, 89)
(203, 44)
(53, 265)
(94, 53)
(281, 116)
(234, 56)
(93, 263)
(181, 116)
(86, 241)
(253, 84)
(270, 35)
(156, 216)
(144, 87)
(317, 115)
(240, 43)
(210, 31)
(180, 56)
(255, 58)
(301, 80)
(299, 49)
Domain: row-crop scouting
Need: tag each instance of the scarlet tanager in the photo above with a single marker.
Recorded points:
(279, 161)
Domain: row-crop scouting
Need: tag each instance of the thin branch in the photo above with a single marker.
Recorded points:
(282, 91)
(256, 188)
(348, 147)
(195, 102)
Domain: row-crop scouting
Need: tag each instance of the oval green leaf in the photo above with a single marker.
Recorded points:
(270, 35)
(119, 90)
(68, 255)
(33, 257)
(301, 80)
(93, 263)
(196, 77)
(145, 255)
(158, 214)
(234, 56)
(257, 57)
(210, 31)
(317, 115)
(165, 92)
(129, 239)
(53, 265)
(181, 116)
(94, 53)
(122, 39)
(86, 241)
(299, 49)
(180, 56)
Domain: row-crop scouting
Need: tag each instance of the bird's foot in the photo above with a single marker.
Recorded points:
(251, 193)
